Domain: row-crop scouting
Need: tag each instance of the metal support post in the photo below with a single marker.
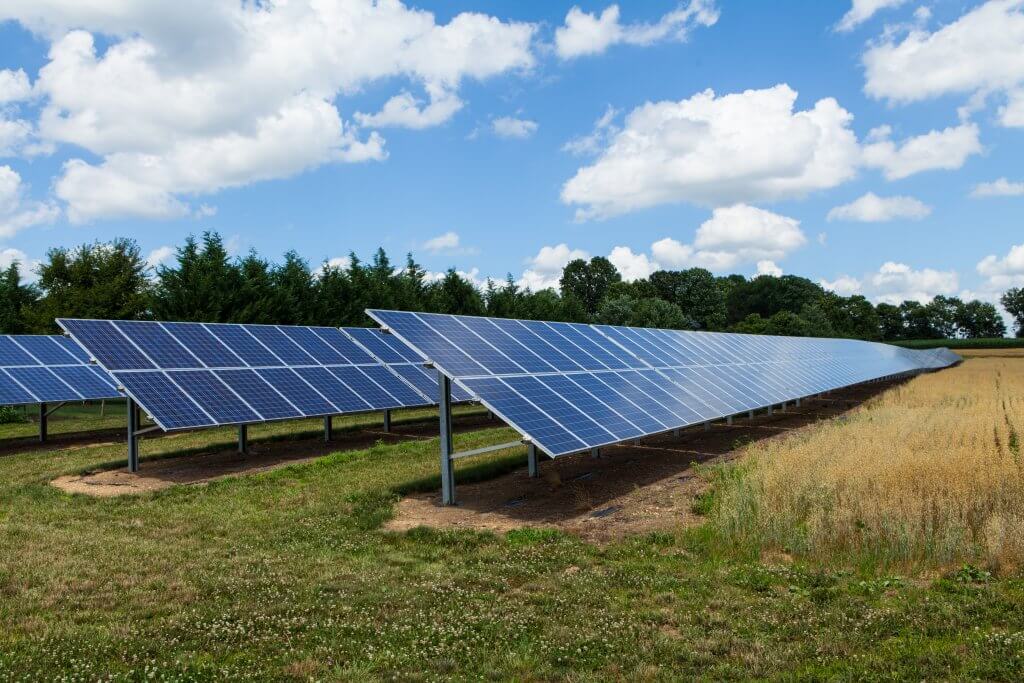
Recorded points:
(328, 428)
(387, 420)
(243, 439)
(447, 446)
(42, 422)
(133, 437)
(531, 460)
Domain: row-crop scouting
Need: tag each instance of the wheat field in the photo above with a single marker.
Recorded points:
(928, 472)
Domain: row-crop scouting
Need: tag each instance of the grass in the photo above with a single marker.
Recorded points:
(288, 575)
(927, 474)
(990, 343)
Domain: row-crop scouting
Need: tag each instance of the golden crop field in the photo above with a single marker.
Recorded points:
(929, 472)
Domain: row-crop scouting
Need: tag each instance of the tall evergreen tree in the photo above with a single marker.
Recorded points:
(16, 301)
(98, 280)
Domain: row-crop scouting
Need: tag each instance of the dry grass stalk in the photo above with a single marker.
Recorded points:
(930, 471)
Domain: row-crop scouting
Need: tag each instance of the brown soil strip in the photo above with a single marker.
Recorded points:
(627, 490)
(161, 473)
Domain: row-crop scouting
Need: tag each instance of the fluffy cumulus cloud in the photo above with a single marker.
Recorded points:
(184, 99)
(512, 127)
(716, 150)
(768, 268)
(586, 33)
(733, 236)
(844, 285)
(977, 55)
(998, 188)
(870, 208)
(1003, 272)
(545, 269)
(16, 211)
(898, 282)
(862, 10)
(939, 149)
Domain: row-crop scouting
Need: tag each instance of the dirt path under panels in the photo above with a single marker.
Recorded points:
(628, 489)
(161, 473)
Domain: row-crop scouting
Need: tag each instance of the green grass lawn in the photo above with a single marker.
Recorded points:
(288, 575)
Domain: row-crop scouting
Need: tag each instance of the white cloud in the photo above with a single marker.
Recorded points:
(632, 266)
(939, 149)
(862, 10)
(14, 86)
(844, 285)
(898, 282)
(160, 256)
(588, 34)
(545, 269)
(190, 97)
(998, 188)
(17, 212)
(1004, 272)
(604, 129)
(448, 241)
(870, 208)
(768, 268)
(733, 236)
(712, 151)
(976, 55)
(511, 127)
(406, 111)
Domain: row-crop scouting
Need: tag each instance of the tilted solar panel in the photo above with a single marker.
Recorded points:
(187, 374)
(49, 369)
(568, 387)
(403, 361)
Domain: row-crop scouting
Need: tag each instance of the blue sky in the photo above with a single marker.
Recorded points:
(859, 144)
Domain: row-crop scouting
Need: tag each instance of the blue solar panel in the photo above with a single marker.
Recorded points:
(45, 368)
(237, 374)
(569, 386)
(165, 402)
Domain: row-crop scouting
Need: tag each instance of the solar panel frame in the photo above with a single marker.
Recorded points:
(634, 378)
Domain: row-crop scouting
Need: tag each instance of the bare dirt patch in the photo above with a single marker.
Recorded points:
(628, 489)
(198, 468)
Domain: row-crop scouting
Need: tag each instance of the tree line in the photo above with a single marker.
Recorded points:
(205, 283)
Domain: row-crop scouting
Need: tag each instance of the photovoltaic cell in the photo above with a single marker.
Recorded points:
(568, 386)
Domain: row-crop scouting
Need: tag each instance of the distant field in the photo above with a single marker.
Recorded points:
(289, 575)
(994, 343)
(930, 473)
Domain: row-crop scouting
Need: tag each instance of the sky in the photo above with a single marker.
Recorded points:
(873, 146)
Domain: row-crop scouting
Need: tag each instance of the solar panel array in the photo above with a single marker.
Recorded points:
(49, 369)
(569, 387)
(188, 375)
(402, 360)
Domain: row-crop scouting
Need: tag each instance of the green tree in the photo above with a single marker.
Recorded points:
(203, 285)
(767, 295)
(588, 282)
(890, 322)
(16, 301)
(696, 292)
(979, 320)
(454, 294)
(1013, 301)
(98, 280)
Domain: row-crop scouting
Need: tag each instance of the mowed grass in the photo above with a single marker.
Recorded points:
(289, 575)
(930, 473)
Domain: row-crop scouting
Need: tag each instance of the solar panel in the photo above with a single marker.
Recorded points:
(569, 387)
(202, 374)
(49, 368)
(403, 361)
